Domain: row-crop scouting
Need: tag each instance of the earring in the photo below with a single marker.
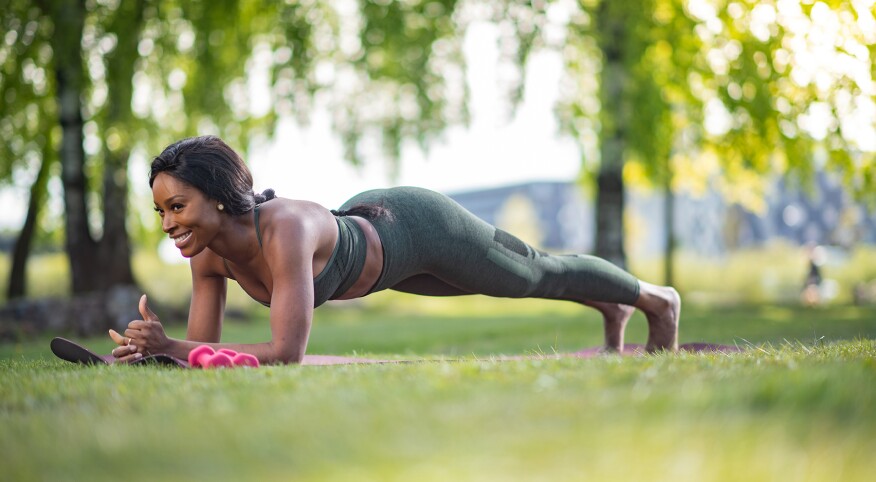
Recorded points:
(220, 206)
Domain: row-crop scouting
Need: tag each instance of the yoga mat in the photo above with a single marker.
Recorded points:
(76, 353)
(73, 352)
(630, 349)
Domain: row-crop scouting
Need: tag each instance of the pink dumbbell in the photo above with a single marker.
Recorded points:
(218, 360)
(199, 355)
(240, 359)
(204, 356)
(245, 360)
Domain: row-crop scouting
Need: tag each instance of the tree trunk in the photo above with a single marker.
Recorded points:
(115, 246)
(69, 18)
(611, 23)
(669, 221)
(21, 251)
(610, 215)
(105, 264)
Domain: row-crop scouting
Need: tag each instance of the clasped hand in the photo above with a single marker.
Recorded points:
(143, 337)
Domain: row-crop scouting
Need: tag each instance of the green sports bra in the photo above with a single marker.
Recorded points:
(344, 265)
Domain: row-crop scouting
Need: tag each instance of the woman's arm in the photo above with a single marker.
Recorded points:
(288, 249)
(207, 308)
(206, 312)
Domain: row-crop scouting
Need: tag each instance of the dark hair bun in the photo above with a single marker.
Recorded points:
(266, 195)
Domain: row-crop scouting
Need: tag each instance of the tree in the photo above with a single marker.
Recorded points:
(44, 83)
(27, 121)
(669, 69)
(96, 264)
(398, 76)
(68, 74)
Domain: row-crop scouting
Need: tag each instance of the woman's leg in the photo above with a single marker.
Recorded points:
(661, 305)
(614, 320)
(434, 246)
(614, 315)
(428, 285)
(662, 308)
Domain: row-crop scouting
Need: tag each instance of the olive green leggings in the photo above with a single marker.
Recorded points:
(433, 246)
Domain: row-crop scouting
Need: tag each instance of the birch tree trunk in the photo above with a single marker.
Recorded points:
(115, 246)
(69, 17)
(611, 24)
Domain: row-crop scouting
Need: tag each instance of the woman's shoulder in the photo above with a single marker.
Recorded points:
(281, 216)
(283, 209)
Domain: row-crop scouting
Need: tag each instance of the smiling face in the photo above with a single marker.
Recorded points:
(187, 215)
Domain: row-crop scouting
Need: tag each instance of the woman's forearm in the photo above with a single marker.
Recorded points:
(267, 353)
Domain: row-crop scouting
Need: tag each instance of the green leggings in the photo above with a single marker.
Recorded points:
(433, 246)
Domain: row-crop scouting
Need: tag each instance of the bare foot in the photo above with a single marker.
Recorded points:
(662, 308)
(615, 317)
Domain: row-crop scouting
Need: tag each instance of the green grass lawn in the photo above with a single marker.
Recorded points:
(797, 405)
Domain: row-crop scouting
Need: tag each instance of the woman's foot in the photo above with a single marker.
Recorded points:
(662, 308)
(615, 317)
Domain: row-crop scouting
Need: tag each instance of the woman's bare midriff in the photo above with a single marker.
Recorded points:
(373, 262)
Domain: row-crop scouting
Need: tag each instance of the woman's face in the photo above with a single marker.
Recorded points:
(187, 215)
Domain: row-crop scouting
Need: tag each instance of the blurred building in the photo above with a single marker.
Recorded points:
(550, 215)
(557, 216)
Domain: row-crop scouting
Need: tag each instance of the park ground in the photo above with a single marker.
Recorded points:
(796, 404)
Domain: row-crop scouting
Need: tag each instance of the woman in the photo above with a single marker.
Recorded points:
(294, 255)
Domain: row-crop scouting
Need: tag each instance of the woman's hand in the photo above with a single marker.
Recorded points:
(143, 337)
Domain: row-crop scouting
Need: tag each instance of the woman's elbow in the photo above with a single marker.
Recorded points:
(288, 354)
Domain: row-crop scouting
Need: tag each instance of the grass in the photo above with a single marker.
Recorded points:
(797, 405)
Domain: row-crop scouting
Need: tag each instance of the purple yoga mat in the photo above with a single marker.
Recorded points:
(632, 349)
(76, 353)
(73, 352)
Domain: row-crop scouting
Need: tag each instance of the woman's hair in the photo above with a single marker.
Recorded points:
(367, 211)
(208, 164)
